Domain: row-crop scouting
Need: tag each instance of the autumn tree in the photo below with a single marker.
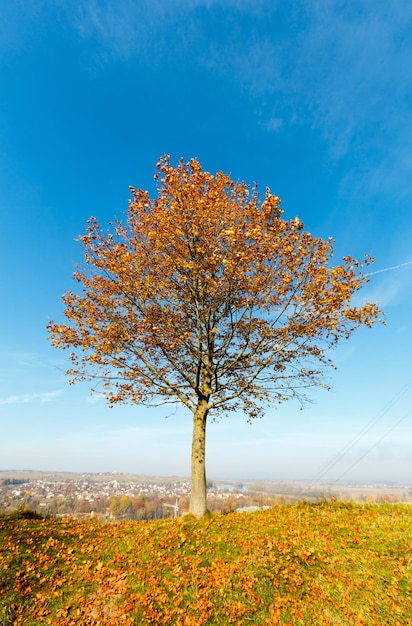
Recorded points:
(206, 296)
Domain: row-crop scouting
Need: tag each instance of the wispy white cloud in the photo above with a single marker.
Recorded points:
(21, 359)
(32, 367)
(389, 269)
(389, 288)
(123, 29)
(342, 70)
(95, 398)
(28, 398)
(274, 124)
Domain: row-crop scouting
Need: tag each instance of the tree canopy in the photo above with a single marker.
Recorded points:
(208, 297)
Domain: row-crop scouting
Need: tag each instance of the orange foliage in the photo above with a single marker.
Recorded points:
(208, 297)
(207, 291)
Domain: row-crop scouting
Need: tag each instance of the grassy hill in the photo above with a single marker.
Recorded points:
(328, 563)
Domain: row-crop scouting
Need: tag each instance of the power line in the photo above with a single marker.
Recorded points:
(373, 446)
(359, 436)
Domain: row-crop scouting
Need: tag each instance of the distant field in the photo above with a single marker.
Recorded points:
(331, 563)
(102, 476)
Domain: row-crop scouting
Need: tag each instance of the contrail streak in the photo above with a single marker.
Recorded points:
(388, 269)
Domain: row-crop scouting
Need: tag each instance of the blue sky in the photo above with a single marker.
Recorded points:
(313, 99)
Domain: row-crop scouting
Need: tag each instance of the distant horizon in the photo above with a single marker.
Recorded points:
(209, 479)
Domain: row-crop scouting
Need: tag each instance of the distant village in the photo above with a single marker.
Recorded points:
(116, 496)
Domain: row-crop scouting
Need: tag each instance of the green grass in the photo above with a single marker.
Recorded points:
(329, 563)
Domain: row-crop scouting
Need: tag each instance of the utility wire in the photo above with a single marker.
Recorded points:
(373, 446)
(359, 436)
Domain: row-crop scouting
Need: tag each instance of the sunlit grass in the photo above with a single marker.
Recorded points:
(328, 563)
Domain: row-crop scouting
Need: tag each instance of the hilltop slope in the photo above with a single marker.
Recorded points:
(328, 563)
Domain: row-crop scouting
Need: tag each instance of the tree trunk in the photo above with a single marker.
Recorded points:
(198, 491)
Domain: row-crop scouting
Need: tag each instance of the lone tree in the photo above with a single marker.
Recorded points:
(207, 297)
